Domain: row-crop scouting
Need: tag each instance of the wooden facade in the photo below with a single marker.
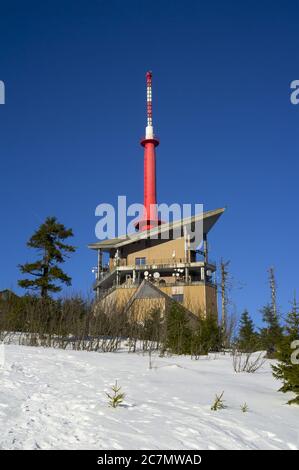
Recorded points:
(176, 272)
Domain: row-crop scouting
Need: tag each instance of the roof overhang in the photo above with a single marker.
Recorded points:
(208, 220)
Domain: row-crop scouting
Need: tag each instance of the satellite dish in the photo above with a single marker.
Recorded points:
(156, 275)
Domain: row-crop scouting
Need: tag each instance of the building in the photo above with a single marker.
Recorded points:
(158, 264)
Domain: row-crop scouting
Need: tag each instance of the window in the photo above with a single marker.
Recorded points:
(178, 297)
(140, 261)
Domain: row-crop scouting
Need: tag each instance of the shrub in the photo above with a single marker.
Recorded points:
(218, 403)
(117, 397)
(247, 362)
(244, 408)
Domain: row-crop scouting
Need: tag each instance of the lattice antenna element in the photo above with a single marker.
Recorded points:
(149, 98)
(149, 132)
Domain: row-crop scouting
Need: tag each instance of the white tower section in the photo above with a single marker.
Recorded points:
(149, 130)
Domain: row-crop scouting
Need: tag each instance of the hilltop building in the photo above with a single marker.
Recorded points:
(147, 270)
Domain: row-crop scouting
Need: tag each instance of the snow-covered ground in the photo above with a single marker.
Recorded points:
(55, 399)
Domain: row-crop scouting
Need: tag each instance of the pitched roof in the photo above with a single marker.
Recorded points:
(147, 290)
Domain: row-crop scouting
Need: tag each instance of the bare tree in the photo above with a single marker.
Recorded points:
(273, 289)
(224, 296)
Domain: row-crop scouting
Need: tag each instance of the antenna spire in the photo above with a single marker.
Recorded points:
(149, 142)
(149, 131)
(149, 98)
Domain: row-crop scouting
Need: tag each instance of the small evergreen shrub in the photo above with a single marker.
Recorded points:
(244, 408)
(218, 403)
(117, 397)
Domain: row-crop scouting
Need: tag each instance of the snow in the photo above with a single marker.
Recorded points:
(55, 399)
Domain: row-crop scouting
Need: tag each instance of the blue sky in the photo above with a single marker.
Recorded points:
(75, 111)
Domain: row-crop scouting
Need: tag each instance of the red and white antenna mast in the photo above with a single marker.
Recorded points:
(149, 106)
(150, 142)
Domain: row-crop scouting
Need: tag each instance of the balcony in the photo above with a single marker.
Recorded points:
(123, 274)
(161, 263)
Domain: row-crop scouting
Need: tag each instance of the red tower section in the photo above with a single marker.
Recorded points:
(150, 142)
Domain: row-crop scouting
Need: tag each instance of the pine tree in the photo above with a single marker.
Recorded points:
(178, 332)
(248, 338)
(270, 336)
(48, 240)
(286, 370)
(207, 337)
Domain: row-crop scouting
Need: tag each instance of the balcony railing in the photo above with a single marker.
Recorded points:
(160, 262)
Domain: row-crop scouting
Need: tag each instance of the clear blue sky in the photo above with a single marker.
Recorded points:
(74, 113)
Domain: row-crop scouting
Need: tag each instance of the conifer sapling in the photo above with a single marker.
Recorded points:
(244, 408)
(117, 397)
(218, 403)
